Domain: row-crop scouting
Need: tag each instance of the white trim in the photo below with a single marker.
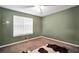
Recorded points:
(37, 38)
(61, 41)
(19, 42)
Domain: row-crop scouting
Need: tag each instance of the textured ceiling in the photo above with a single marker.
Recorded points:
(44, 11)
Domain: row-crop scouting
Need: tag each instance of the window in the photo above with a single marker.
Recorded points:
(22, 26)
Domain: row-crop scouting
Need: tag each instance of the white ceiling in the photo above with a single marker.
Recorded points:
(31, 9)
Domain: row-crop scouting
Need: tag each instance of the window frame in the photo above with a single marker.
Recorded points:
(22, 34)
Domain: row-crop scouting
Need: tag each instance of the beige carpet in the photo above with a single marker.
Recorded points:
(33, 44)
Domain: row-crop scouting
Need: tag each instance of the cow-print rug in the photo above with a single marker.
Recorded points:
(49, 48)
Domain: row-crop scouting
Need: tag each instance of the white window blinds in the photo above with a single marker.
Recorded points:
(22, 26)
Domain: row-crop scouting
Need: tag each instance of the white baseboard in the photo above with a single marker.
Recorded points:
(61, 41)
(19, 42)
(37, 38)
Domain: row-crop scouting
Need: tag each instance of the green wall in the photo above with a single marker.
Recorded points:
(63, 25)
(1, 27)
(7, 29)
